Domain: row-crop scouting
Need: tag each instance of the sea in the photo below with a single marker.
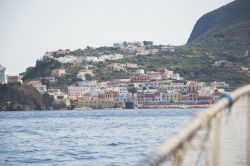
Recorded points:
(86, 137)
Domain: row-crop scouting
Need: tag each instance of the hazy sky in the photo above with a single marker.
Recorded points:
(29, 28)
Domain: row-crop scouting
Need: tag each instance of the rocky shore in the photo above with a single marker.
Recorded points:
(13, 106)
(18, 97)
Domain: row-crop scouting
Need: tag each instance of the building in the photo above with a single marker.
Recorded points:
(194, 86)
(41, 88)
(140, 49)
(81, 75)
(61, 52)
(116, 57)
(75, 91)
(220, 85)
(87, 84)
(172, 97)
(99, 103)
(50, 79)
(3, 78)
(140, 71)
(154, 51)
(66, 59)
(154, 75)
(91, 59)
(38, 85)
(147, 43)
(176, 76)
(132, 65)
(219, 63)
(244, 68)
(58, 73)
(54, 92)
(14, 79)
(136, 43)
(111, 94)
(167, 49)
(166, 74)
(193, 97)
(140, 78)
(116, 67)
(118, 45)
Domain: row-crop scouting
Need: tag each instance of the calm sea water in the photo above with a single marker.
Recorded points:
(87, 137)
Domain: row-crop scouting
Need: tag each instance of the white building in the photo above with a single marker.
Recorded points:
(87, 84)
(66, 59)
(168, 49)
(219, 63)
(118, 45)
(140, 71)
(220, 84)
(116, 57)
(244, 68)
(104, 57)
(75, 91)
(41, 88)
(38, 85)
(81, 75)
(3, 78)
(131, 65)
(91, 59)
(176, 76)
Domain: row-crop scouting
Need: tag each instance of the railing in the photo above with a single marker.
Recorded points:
(218, 136)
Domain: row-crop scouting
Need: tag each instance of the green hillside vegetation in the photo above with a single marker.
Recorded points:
(224, 32)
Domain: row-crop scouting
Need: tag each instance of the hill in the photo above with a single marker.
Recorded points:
(15, 97)
(217, 50)
(225, 29)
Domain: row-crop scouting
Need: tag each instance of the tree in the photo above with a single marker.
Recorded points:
(132, 90)
(88, 77)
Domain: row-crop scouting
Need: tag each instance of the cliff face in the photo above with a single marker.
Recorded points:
(226, 21)
(20, 97)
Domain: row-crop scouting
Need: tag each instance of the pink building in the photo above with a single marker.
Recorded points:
(14, 79)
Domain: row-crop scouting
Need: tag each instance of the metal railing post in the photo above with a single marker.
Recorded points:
(248, 131)
(216, 139)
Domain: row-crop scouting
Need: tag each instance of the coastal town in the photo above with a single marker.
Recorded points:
(140, 88)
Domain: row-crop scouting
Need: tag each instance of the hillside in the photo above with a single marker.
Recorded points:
(226, 29)
(219, 37)
(15, 97)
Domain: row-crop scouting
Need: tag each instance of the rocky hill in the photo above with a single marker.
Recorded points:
(224, 29)
(15, 97)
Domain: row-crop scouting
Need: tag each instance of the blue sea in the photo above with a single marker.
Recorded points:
(86, 137)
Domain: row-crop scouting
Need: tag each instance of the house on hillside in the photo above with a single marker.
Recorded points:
(58, 73)
(116, 67)
(81, 75)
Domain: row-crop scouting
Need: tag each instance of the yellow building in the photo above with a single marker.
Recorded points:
(99, 103)
(194, 86)
(140, 49)
(172, 97)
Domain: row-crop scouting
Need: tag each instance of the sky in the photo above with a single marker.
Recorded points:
(29, 28)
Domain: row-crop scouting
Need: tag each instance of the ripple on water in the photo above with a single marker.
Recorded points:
(96, 137)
